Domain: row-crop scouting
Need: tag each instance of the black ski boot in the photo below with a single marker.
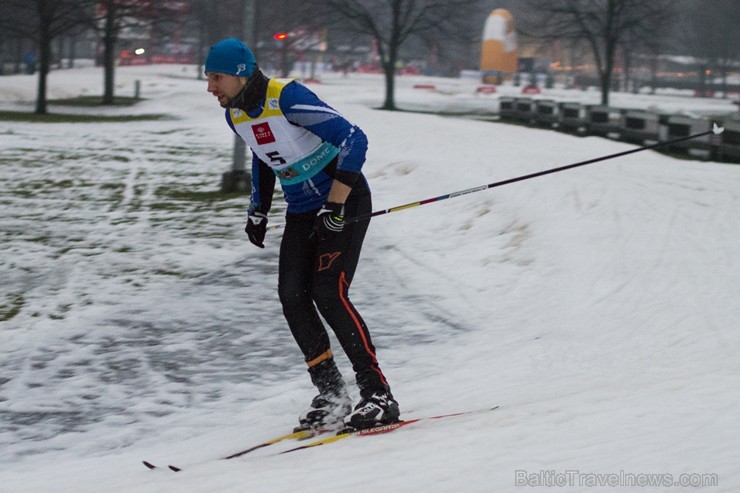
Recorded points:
(375, 408)
(332, 405)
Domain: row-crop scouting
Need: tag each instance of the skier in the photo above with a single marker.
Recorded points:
(317, 155)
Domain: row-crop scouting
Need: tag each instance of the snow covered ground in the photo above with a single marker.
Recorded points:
(598, 307)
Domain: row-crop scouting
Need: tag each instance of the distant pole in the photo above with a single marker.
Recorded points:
(281, 39)
(238, 179)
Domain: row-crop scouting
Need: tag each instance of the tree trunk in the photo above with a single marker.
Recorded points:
(18, 56)
(606, 79)
(44, 61)
(109, 54)
(605, 89)
(390, 82)
(628, 85)
(201, 47)
(109, 62)
(389, 60)
(72, 51)
(606, 75)
(654, 72)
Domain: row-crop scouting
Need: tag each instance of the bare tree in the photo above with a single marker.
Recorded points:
(391, 23)
(117, 15)
(603, 24)
(43, 21)
(710, 34)
(213, 21)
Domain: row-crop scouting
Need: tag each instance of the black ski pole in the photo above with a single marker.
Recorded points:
(715, 130)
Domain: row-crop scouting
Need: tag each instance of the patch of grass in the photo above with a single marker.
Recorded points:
(165, 154)
(94, 101)
(164, 206)
(123, 220)
(35, 188)
(194, 196)
(24, 194)
(114, 192)
(12, 307)
(46, 184)
(44, 239)
(20, 116)
(22, 158)
(165, 272)
(170, 132)
(62, 312)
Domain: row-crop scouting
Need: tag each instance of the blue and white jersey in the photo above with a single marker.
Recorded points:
(302, 141)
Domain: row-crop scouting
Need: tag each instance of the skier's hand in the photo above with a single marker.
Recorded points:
(329, 221)
(256, 228)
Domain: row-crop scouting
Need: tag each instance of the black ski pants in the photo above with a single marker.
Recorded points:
(315, 276)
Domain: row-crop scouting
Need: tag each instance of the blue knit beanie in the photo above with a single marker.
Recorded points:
(231, 56)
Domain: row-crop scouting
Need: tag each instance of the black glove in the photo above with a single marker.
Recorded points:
(256, 228)
(329, 221)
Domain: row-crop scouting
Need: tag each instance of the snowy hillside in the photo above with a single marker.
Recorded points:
(597, 307)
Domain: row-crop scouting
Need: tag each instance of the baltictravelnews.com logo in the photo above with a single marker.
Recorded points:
(576, 478)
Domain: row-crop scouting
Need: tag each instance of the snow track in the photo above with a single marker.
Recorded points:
(598, 306)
